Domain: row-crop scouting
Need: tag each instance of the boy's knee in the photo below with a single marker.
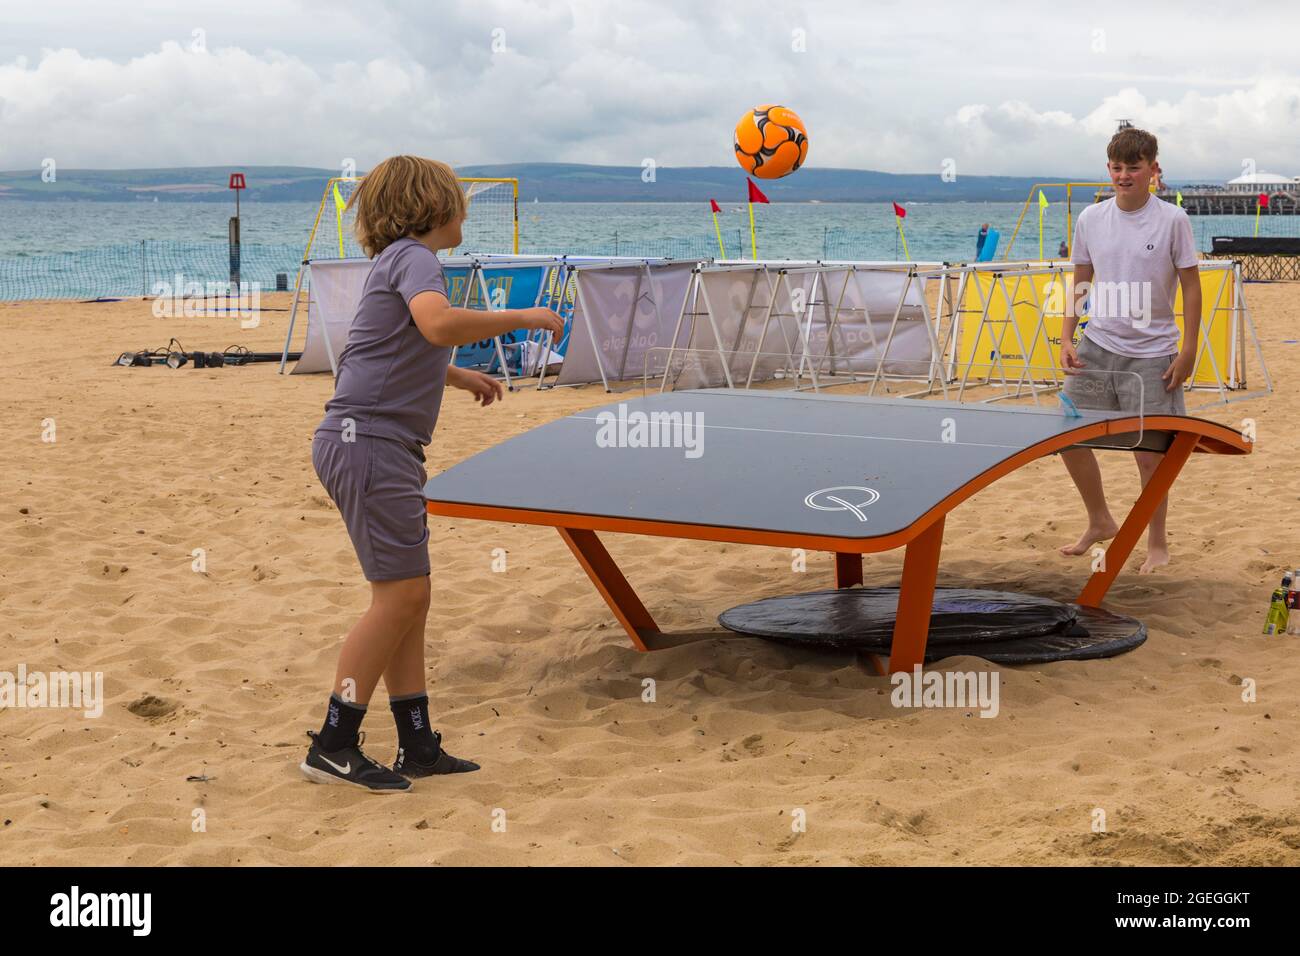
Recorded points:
(1148, 461)
(417, 593)
(409, 597)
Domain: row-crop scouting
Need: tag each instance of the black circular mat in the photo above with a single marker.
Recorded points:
(999, 626)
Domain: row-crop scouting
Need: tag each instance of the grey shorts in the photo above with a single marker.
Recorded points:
(378, 486)
(1096, 386)
(1121, 393)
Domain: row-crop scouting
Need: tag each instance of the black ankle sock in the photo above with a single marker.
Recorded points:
(342, 724)
(411, 714)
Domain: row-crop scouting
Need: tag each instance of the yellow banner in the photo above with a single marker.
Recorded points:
(1022, 297)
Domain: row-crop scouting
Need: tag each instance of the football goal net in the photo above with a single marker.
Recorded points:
(491, 226)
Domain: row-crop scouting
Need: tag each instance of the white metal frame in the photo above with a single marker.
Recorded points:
(573, 274)
(778, 275)
(1235, 360)
(302, 284)
(945, 367)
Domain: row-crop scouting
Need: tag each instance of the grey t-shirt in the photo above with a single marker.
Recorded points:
(1135, 257)
(390, 376)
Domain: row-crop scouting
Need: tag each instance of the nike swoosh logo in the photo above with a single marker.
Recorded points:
(345, 769)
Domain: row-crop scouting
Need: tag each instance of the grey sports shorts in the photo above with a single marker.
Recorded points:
(1097, 386)
(1145, 394)
(378, 486)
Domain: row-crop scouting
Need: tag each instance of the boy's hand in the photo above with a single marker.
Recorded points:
(1178, 370)
(543, 319)
(484, 388)
(1070, 361)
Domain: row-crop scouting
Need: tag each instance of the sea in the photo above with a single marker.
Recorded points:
(85, 249)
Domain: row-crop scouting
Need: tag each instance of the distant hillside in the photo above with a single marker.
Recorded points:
(184, 184)
(548, 182)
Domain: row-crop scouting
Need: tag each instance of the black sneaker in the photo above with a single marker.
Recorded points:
(350, 765)
(419, 765)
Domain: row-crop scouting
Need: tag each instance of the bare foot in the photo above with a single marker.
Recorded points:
(1156, 557)
(1096, 532)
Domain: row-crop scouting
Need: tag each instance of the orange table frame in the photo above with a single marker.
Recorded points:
(923, 538)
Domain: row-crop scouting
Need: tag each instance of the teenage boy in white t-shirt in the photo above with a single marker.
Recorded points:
(1129, 254)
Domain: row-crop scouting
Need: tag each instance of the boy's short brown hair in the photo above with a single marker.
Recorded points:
(404, 196)
(1131, 145)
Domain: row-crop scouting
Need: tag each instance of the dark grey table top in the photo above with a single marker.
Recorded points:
(809, 464)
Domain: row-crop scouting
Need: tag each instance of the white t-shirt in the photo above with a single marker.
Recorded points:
(1136, 257)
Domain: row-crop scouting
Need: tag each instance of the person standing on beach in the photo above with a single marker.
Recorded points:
(980, 238)
(1130, 253)
(368, 452)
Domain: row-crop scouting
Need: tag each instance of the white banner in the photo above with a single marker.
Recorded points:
(332, 295)
(620, 314)
(859, 304)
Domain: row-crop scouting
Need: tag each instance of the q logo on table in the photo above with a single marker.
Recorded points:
(850, 498)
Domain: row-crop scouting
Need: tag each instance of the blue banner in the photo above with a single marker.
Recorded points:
(507, 289)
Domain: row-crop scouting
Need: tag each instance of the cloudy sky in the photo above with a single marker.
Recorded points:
(998, 88)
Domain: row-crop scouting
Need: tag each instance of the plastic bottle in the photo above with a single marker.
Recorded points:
(1278, 612)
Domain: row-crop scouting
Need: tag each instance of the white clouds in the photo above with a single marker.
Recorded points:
(1201, 135)
(619, 80)
(176, 106)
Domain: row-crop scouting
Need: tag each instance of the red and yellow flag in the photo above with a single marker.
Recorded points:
(899, 215)
(755, 195)
(715, 208)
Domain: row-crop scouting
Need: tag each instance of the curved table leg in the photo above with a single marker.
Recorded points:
(611, 584)
(915, 596)
(1126, 538)
(916, 599)
(848, 569)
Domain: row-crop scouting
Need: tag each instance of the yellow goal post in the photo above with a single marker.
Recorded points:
(1069, 188)
(492, 226)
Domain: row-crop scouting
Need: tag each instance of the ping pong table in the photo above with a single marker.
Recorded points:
(842, 474)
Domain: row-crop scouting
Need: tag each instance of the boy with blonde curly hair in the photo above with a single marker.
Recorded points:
(368, 453)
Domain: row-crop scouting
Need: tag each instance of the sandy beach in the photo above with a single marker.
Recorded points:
(212, 677)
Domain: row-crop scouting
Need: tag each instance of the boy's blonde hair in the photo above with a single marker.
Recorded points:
(1131, 145)
(404, 196)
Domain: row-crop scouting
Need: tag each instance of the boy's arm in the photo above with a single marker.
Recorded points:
(1082, 280)
(443, 324)
(1181, 367)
